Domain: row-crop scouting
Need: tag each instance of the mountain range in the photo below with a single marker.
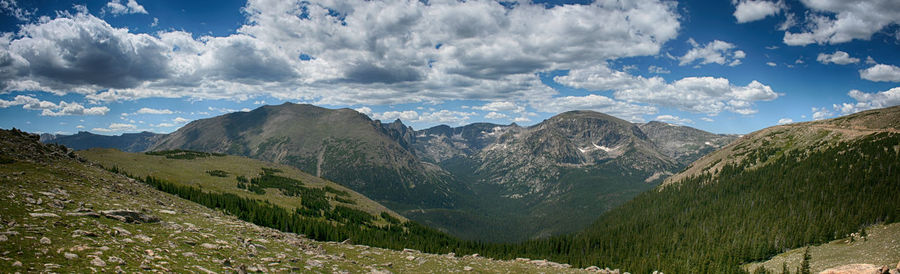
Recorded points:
(480, 181)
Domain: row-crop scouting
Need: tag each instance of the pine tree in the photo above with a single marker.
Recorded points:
(804, 265)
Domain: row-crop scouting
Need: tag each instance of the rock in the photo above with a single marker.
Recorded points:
(129, 216)
(190, 254)
(84, 214)
(144, 238)
(43, 215)
(204, 270)
(164, 211)
(79, 233)
(854, 269)
(150, 252)
(17, 264)
(45, 241)
(121, 231)
(3, 238)
(314, 263)
(209, 246)
(407, 250)
(116, 260)
(467, 268)
(70, 256)
(98, 262)
(410, 258)
(592, 268)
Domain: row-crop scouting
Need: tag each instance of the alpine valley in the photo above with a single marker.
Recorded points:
(480, 181)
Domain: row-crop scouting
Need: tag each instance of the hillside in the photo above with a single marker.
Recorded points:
(786, 187)
(220, 173)
(341, 145)
(61, 214)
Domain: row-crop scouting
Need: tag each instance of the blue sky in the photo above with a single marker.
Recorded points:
(723, 66)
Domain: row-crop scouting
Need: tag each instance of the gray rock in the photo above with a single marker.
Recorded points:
(43, 215)
(129, 216)
(115, 260)
(98, 262)
(45, 241)
(70, 256)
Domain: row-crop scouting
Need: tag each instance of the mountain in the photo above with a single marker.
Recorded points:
(131, 142)
(341, 145)
(480, 181)
(62, 213)
(684, 144)
(551, 178)
(770, 191)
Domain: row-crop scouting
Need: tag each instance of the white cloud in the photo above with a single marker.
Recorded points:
(707, 119)
(749, 10)
(502, 106)
(718, 52)
(783, 121)
(696, 94)
(821, 113)
(154, 111)
(131, 7)
(389, 116)
(495, 115)
(446, 116)
(866, 101)
(372, 52)
(673, 119)
(840, 21)
(52, 109)
(79, 126)
(881, 73)
(11, 7)
(73, 108)
(180, 120)
(771, 64)
(838, 57)
(657, 70)
(164, 125)
(116, 127)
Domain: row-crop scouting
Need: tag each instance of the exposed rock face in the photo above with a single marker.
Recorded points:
(684, 144)
(858, 269)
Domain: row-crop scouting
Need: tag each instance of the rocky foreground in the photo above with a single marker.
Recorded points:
(59, 213)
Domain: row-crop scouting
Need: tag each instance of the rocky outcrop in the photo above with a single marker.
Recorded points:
(861, 269)
(129, 216)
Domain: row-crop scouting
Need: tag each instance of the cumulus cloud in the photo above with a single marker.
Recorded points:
(11, 7)
(840, 21)
(657, 70)
(180, 120)
(718, 52)
(838, 57)
(495, 115)
(502, 106)
(73, 108)
(131, 7)
(783, 121)
(52, 109)
(154, 111)
(881, 73)
(771, 64)
(750, 10)
(116, 127)
(673, 119)
(337, 52)
(597, 103)
(708, 95)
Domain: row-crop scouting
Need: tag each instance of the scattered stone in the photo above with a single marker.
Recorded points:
(98, 262)
(3, 238)
(70, 256)
(150, 252)
(144, 238)
(17, 264)
(129, 216)
(410, 258)
(592, 268)
(189, 254)
(467, 268)
(121, 231)
(116, 260)
(407, 250)
(165, 211)
(314, 263)
(79, 233)
(204, 270)
(44, 215)
(853, 269)
(45, 241)
(209, 246)
(84, 214)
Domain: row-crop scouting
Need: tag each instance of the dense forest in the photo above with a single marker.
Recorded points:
(701, 224)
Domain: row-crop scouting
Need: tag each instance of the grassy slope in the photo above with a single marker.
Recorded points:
(177, 242)
(881, 247)
(193, 172)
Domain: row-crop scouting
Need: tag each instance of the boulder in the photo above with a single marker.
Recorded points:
(129, 216)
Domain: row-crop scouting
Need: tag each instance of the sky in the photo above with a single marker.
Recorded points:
(117, 66)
